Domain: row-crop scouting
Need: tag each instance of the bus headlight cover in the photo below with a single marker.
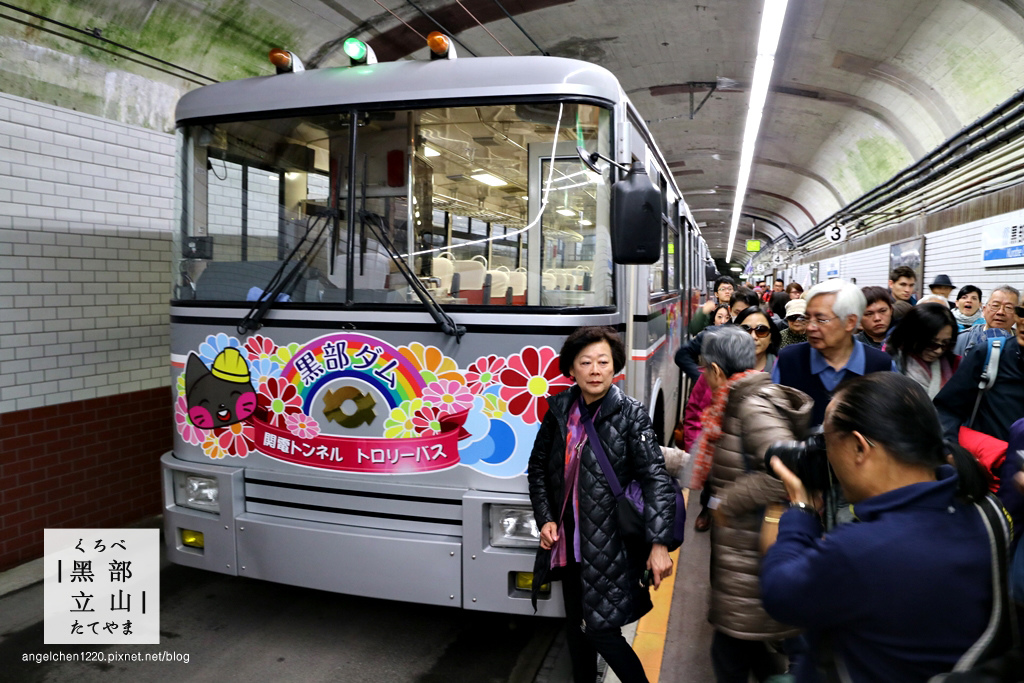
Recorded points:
(513, 527)
(201, 493)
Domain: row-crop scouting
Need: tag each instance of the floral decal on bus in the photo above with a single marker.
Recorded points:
(352, 402)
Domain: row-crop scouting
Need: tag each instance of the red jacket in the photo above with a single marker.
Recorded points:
(700, 398)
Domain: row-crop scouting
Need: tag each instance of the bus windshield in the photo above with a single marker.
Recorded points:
(487, 205)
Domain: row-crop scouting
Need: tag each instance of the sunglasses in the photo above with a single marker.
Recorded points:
(761, 331)
(798, 318)
(939, 345)
(1019, 310)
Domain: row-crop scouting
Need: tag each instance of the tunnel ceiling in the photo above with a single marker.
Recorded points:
(861, 88)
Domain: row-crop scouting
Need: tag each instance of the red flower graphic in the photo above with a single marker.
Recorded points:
(278, 398)
(427, 421)
(528, 379)
(483, 372)
(259, 347)
(238, 439)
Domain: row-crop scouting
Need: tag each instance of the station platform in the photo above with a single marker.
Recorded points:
(674, 639)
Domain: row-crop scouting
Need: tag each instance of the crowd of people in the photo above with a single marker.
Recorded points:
(867, 556)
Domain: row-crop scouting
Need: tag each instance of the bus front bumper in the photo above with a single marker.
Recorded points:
(423, 568)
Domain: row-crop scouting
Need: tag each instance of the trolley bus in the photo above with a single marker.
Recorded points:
(374, 269)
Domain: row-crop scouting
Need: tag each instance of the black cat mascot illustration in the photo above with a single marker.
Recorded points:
(222, 395)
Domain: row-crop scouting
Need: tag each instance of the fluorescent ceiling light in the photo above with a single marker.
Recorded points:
(488, 179)
(586, 222)
(430, 152)
(735, 269)
(772, 18)
(565, 212)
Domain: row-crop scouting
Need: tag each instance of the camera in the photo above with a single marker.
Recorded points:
(806, 459)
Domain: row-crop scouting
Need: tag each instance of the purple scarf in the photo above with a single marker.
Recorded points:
(574, 441)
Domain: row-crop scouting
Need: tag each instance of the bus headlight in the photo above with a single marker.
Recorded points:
(200, 493)
(513, 527)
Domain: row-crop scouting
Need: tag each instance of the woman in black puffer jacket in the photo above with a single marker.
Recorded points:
(601, 573)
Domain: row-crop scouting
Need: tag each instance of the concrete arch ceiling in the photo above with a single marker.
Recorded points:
(861, 88)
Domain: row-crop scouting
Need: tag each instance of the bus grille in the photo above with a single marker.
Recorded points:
(393, 510)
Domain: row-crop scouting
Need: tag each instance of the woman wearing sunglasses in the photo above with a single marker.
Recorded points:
(767, 337)
(922, 346)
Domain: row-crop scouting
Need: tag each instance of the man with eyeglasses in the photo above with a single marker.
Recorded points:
(999, 320)
(830, 354)
(724, 288)
(877, 318)
(1002, 404)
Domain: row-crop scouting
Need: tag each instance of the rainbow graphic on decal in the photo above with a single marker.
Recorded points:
(347, 354)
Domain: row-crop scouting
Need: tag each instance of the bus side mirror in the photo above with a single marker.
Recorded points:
(636, 218)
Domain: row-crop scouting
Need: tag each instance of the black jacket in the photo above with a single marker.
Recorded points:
(688, 354)
(610, 571)
(1002, 405)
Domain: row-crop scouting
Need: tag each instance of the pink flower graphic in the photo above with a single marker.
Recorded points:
(278, 398)
(483, 372)
(529, 379)
(302, 425)
(189, 432)
(238, 440)
(427, 421)
(448, 396)
(259, 347)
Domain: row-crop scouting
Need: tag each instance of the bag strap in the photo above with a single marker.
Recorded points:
(991, 511)
(988, 374)
(595, 446)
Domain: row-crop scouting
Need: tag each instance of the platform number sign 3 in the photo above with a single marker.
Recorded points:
(836, 233)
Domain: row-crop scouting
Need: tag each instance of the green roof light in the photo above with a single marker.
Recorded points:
(355, 49)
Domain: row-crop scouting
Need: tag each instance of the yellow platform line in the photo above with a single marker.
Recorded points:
(649, 641)
(651, 630)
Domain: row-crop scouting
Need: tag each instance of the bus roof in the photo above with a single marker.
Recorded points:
(404, 82)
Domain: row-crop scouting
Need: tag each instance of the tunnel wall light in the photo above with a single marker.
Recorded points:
(772, 18)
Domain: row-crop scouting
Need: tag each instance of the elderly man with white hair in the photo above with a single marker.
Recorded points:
(831, 353)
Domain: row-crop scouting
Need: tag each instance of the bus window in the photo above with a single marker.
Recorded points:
(445, 190)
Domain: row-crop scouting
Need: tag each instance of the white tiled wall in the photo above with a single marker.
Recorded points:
(957, 253)
(85, 221)
(868, 266)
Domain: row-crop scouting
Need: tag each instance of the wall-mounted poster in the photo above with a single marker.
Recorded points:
(909, 253)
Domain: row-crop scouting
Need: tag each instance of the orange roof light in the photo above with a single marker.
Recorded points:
(440, 45)
(282, 59)
(285, 61)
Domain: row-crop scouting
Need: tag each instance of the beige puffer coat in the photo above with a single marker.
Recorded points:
(758, 414)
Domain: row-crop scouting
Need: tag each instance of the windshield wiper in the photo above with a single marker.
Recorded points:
(448, 326)
(280, 282)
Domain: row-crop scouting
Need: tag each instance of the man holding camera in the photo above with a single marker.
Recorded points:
(831, 353)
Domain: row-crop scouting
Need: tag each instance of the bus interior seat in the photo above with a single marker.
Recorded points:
(517, 281)
(443, 269)
(471, 280)
(498, 290)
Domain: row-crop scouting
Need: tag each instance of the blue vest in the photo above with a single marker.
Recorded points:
(795, 371)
